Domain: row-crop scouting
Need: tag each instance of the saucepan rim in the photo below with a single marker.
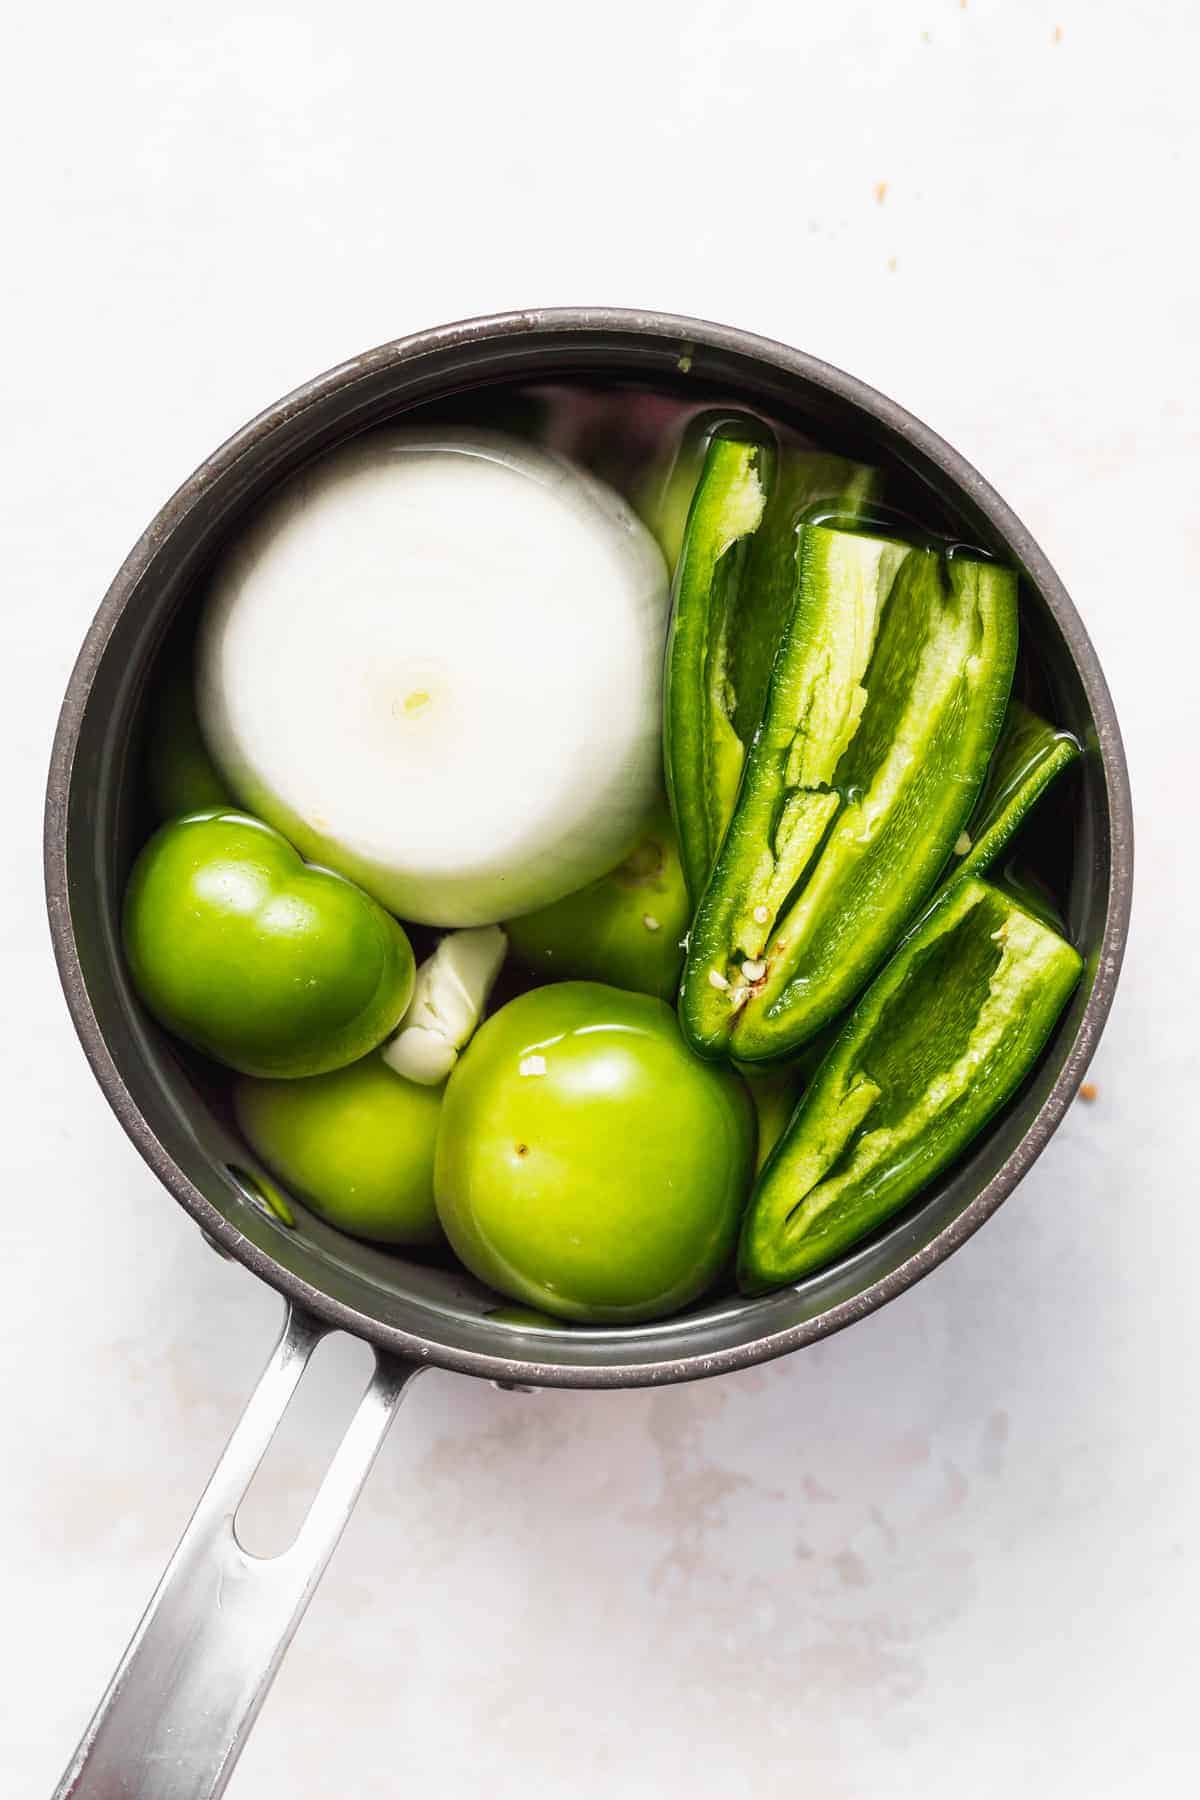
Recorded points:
(897, 423)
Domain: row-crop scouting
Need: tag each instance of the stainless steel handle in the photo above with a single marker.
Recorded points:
(189, 1687)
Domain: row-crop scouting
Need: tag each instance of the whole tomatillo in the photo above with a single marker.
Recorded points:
(262, 961)
(588, 1165)
(181, 775)
(626, 929)
(356, 1144)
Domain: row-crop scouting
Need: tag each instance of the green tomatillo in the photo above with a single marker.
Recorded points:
(525, 1318)
(627, 928)
(774, 1092)
(181, 774)
(588, 1164)
(356, 1144)
(269, 965)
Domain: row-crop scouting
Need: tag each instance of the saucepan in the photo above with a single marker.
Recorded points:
(189, 1687)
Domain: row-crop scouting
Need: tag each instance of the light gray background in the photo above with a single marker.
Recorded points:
(953, 1549)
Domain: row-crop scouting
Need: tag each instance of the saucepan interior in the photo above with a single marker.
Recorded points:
(174, 1112)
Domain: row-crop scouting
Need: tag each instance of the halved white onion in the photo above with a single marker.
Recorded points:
(433, 660)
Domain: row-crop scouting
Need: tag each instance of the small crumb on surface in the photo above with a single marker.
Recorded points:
(532, 1065)
(716, 979)
(754, 971)
(962, 844)
(650, 922)
(684, 362)
(1089, 1092)
(761, 915)
(851, 1569)
(881, 188)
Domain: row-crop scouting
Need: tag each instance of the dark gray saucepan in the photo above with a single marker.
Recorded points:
(182, 1701)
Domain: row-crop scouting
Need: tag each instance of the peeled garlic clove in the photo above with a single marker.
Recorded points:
(421, 1056)
(449, 995)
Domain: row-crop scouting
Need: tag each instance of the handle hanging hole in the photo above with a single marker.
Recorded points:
(276, 1503)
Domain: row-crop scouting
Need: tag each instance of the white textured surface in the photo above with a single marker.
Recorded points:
(951, 1551)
